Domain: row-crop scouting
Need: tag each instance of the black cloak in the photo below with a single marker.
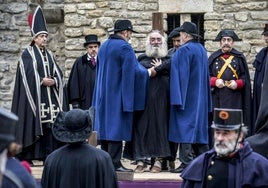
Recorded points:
(259, 64)
(79, 165)
(246, 90)
(81, 82)
(259, 141)
(30, 97)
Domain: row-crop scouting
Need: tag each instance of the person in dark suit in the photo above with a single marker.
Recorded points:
(82, 77)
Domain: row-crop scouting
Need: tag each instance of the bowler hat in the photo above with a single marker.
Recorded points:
(121, 25)
(227, 33)
(174, 33)
(265, 29)
(73, 126)
(7, 128)
(190, 28)
(91, 39)
(227, 119)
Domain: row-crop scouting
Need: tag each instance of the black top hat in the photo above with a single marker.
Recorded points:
(190, 28)
(91, 39)
(227, 119)
(227, 33)
(73, 126)
(265, 29)
(174, 33)
(7, 128)
(121, 25)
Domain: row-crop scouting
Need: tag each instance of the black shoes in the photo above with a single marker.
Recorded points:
(179, 169)
(123, 169)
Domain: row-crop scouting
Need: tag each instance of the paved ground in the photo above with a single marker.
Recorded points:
(146, 176)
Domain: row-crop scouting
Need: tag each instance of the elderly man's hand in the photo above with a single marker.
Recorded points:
(48, 81)
(156, 62)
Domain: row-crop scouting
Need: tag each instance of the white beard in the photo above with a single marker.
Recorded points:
(156, 51)
(224, 148)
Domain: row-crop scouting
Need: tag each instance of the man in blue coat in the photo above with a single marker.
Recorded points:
(189, 95)
(120, 89)
(231, 163)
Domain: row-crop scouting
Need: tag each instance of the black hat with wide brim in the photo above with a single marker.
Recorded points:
(121, 25)
(190, 28)
(227, 119)
(73, 126)
(227, 33)
(91, 39)
(7, 128)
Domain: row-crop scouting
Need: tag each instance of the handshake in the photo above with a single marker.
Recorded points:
(230, 84)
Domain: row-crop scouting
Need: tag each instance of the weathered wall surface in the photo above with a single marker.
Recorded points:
(70, 20)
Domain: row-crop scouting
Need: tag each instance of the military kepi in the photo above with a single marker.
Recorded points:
(227, 119)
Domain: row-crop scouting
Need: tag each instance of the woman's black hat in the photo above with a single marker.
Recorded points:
(73, 126)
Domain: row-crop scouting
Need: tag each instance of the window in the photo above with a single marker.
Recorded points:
(173, 21)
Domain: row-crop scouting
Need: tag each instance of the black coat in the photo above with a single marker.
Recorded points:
(259, 141)
(259, 65)
(150, 131)
(81, 82)
(227, 98)
(79, 165)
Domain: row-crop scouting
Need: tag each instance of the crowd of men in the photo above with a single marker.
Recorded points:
(160, 102)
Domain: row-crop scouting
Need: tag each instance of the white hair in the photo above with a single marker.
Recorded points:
(157, 52)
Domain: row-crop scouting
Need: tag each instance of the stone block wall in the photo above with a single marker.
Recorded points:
(70, 20)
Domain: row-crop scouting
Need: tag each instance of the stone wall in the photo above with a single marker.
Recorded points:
(70, 20)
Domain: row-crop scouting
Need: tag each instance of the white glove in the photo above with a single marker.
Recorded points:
(219, 83)
(232, 84)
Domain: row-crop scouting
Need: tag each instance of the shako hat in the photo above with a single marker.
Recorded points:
(73, 126)
(91, 39)
(227, 119)
(265, 29)
(190, 28)
(174, 33)
(121, 25)
(7, 128)
(227, 33)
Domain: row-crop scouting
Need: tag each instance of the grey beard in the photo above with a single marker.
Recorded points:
(156, 52)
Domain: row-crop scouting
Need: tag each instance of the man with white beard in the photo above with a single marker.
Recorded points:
(150, 128)
(231, 163)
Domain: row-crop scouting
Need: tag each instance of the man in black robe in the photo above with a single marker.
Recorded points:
(77, 164)
(259, 64)
(150, 131)
(38, 94)
(82, 78)
(229, 77)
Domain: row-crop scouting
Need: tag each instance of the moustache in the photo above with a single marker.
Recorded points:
(228, 46)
